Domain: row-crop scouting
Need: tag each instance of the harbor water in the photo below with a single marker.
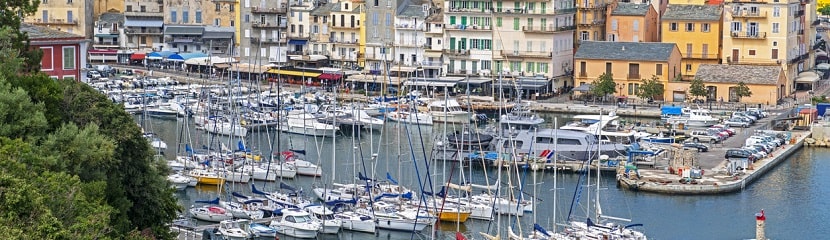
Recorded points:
(794, 195)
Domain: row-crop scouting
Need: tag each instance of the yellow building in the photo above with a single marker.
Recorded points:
(688, 2)
(697, 31)
(590, 20)
(763, 81)
(109, 6)
(71, 16)
(628, 62)
(345, 26)
(632, 22)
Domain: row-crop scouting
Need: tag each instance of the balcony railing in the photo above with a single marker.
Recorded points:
(547, 29)
(531, 11)
(799, 13)
(409, 27)
(468, 10)
(633, 76)
(343, 41)
(749, 35)
(457, 52)
(143, 32)
(255, 40)
(747, 1)
(432, 63)
(147, 13)
(453, 27)
(591, 6)
(750, 14)
(267, 25)
(583, 74)
(347, 26)
(305, 36)
(700, 56)
(267, 10)
(800, 31)
(525, 54)
(753, 61)
(55, 21)
(598, 22)
(566, 10)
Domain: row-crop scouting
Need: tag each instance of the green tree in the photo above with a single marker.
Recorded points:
(824, 10)
(650, 88)
(742, 91)
(697, 89)
(603, 86)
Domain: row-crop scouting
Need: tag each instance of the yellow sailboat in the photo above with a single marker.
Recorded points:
(207, 177)
(449, 214)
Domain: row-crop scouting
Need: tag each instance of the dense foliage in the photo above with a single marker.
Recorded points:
(73, 165)
(603, 86)
(697, 89)
(742, 90)
(650, 88)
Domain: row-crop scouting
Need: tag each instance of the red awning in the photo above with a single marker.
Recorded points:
(103, 51)
(329, 76)
(137, 56)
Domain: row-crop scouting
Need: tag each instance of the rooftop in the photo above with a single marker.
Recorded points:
(631, 9)
(638, 51)
(749, 74)
(111, 18)
(44, 33)
(323, 10)
(693, 12)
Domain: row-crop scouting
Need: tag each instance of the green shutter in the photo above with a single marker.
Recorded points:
(516, 6)
(498, 21)
(530, 23)
(498, 6)
(463, 44)
(542, 6)
(452, 20)
(452, 43)
(543, 23)
(516, 24)
(463, 20)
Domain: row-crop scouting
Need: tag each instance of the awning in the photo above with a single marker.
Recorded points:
(181, 57)
(143, 23)
(807, 77)
(294, 73)
(297, 41)
(106, 35)
(159, 55)
(330, 76)
(103, 51)
(184, 30)
(137, 56)
(222, 65)
(205, 61)
(583, 88)
(429, 83)
(217, 35)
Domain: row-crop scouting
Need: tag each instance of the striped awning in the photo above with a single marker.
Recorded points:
(294, 73)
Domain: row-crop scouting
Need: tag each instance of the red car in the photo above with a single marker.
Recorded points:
(729, 130)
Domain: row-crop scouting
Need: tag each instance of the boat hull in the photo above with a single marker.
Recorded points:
(402, 225)
(210, 180)
(296, 232)
(459, 118)
(359, 226)
(459, 217)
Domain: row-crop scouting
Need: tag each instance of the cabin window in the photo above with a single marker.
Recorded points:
(513, 144)
(546, 140)
(568, 141)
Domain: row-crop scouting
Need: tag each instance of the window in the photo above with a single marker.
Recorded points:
(529, 67)
(232, 23)
(530, 23)
(774, 53)
(69, 17)
(199, 17)
(736, 26)
(388, 19)
(673, 26)
(173, 16)
(690, 27)
(632, 88)
(185, 16)
(485, 64)
(752, 52)
(614, 25)
(636, 25)
(498, 21)
(775, 27)
(704, 27)
(688, 49)
(218, 7)
(530, 46)
(659, 70)
(705, 50)
(688, 67)
(68, 58)
(633, 71)
(582, 69)
(776, 11)
(608, 67)
(129, 8)
(217, 21)
(568, 141)
(230, 8)
(516, 23)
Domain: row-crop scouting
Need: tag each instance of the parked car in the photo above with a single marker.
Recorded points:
(736, 122)
(728, 129)
(703, 136)
(743, 114)
(739, 153)
(762, 147)
(717, 131)
(756, 153)
(699, 146)
(93, 74)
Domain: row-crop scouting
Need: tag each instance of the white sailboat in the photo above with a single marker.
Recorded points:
(300, 122)
(296, 223)
(448, 111)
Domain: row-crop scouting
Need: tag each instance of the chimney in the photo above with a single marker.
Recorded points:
(760, 226)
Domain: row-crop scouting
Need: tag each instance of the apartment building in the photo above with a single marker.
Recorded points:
(380, 31)
(143, 25)
(469, 37)
(632, 22)
(410, 25)
(769, 32)
(71, 16)
(299, 27)
(590, 19)
(108, 6)
(433, 64)
(64, 54)
(697, 31)
(321, 33)
(108, 32)
(345, 26)
(264, 31)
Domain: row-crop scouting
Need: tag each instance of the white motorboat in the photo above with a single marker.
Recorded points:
(167, 109)
(259, 230)
(448, 111)
(328, 223)
(410, 118)
(367, 120)
(178, 181)
(155, 141)
(695, 118)
(353, 221)
(234, 229)
(302, 167)
(235, 176)
(246, 210)
(300, 122)
(223, 126)
(175, 166)
(210, 213)
(296, 223)
(393, 217)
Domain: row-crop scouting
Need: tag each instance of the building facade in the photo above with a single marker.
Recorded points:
(590, 20)
(697, 31)
(71, 16)
(629, 63)
(632, 22)
(143, 25)
(469, 37)
(769, 33)
(263, 30)
(64, 54)
(380, 32)
(345, 33)
(763, 81)
(299, 27)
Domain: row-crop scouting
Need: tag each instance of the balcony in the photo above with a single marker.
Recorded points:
(583, 74)
(749, 14)
(594, 23)
(565, 10)
(148, 13)
(800, 31)
(469, 10)
(182, 39)
(296, 53)
(635, 76)
(753, 61)
(409, 27)
(799, 13)
(105, 44)
(255, 40)
(749, 35)
(267, 25)
(525, 54)
(348, 26)
(523, 11)
(591, 6)
(302, 36)
(457, 52)
(700, 56)
(55, 21)
(459, 27)
(547, 29)
(377, 57)
(268, 10)
(143, 32)
(343, 41)
(431, 64)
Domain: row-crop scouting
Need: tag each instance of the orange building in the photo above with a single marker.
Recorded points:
(632, 22)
